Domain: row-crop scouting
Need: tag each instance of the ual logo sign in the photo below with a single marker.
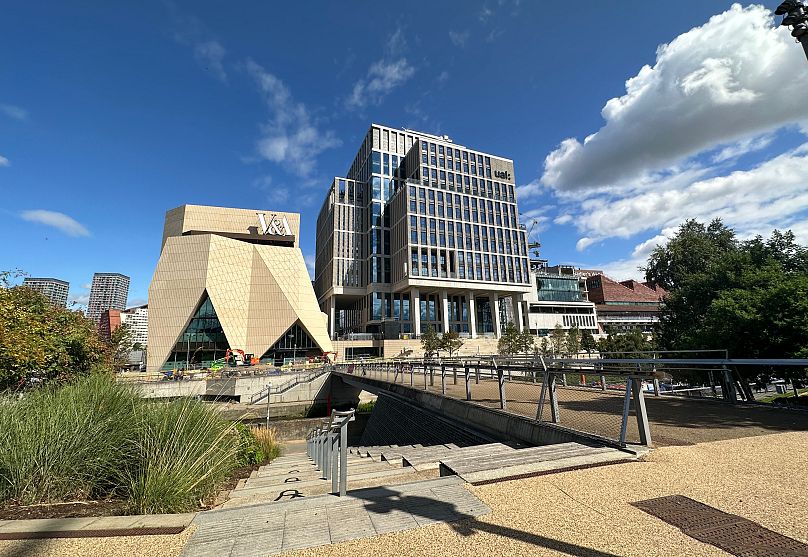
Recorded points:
(504, 174)
(277, 225)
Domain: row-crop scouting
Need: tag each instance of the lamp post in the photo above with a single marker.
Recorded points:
(294, 346)
(795, 14)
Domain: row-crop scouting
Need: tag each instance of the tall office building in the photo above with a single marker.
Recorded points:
(421, 232)
(54, 290)
(108, 291)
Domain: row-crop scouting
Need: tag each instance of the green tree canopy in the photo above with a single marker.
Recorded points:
(451, 342)
(573, 343)
(588, 342)
(430, 342)
(749, 297)
(39, 339)
(558, 340)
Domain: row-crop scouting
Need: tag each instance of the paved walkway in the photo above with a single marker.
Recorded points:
(273, 528)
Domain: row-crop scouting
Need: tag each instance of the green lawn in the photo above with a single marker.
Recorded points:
(789, 394)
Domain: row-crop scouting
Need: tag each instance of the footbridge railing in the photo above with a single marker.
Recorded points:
(596, 396)
(292, 381)
(327, 446)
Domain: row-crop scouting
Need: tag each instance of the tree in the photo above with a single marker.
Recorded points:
(545, 347)
(558, 340)
(120, 344)
(451, 342)
(430, 342)
(588, 341)
(44, 341)
(510, 342)
(573, 344)
(750, 297)
(527, 342)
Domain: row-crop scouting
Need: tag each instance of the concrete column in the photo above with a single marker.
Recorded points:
(331, 315)
(494, 305)
(415, 299)
(517, 302)
(444, 302)
(472, 316)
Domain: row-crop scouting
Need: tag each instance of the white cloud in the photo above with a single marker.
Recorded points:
(382, 77)
(743, 147)
(4, 161)
(771, 194)
(566, 218)
(291, 136)
(14, 112)
(210, 54)
(309, 259)
(529, 190)
(728, 81)
(459, 38)
(57, 220)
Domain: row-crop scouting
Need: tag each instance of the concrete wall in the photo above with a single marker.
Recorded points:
(494, 422)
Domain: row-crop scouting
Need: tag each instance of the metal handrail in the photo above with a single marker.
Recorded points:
(327, 446)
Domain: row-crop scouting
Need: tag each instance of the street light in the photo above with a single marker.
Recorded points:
(796, 17)
(294, 346)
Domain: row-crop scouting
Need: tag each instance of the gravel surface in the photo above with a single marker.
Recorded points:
(586, 512)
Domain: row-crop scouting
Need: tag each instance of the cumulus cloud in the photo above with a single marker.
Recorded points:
(727, 82)
(210, 55)
(291, 136)
(57, 220)
(772, 194)
(383, 76)
(4, 161)
(14, 112)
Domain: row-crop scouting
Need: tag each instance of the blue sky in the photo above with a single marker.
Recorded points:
(112, 114)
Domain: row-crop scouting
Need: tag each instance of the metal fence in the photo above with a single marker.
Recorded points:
(602, 396)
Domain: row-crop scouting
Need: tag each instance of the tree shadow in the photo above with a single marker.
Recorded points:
(383, 500)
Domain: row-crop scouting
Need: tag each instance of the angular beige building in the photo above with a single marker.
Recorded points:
(232, 279)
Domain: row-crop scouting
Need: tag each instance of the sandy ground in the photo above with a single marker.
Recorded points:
(587, 512)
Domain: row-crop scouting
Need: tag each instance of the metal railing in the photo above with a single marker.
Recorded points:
(327, 446)
(596, 396)
(295, 380)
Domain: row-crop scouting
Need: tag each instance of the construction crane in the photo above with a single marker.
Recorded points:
(533, 245)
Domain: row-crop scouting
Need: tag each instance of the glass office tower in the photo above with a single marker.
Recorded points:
(421, 232)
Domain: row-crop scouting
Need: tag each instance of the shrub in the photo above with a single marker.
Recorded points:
(184, 450)
(66, 443)
(95, 438)
(250, 450)
(267, 439)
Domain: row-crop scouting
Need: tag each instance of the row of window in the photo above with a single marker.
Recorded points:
(491, 212)
(467, 184)
(438, 263)
(442, 233)
(441, 150)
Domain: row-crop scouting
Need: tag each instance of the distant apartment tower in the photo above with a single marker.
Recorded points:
(137, 318)
(108, 291)
(421, 232)
(54, 290)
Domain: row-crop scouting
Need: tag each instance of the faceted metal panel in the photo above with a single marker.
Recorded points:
(258, 292)
(729, 532)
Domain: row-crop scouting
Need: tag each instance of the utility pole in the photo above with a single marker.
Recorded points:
(796, 17)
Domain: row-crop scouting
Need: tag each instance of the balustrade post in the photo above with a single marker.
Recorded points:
(443, 379)
(467, 373)
(503, 401)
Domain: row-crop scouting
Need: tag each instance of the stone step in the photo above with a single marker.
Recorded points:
(279, 480)
(429, 459)
(532, 460)
(256, 489)
(543, 452)
(282, 471)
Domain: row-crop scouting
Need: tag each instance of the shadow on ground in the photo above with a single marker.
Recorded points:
(385, 501)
